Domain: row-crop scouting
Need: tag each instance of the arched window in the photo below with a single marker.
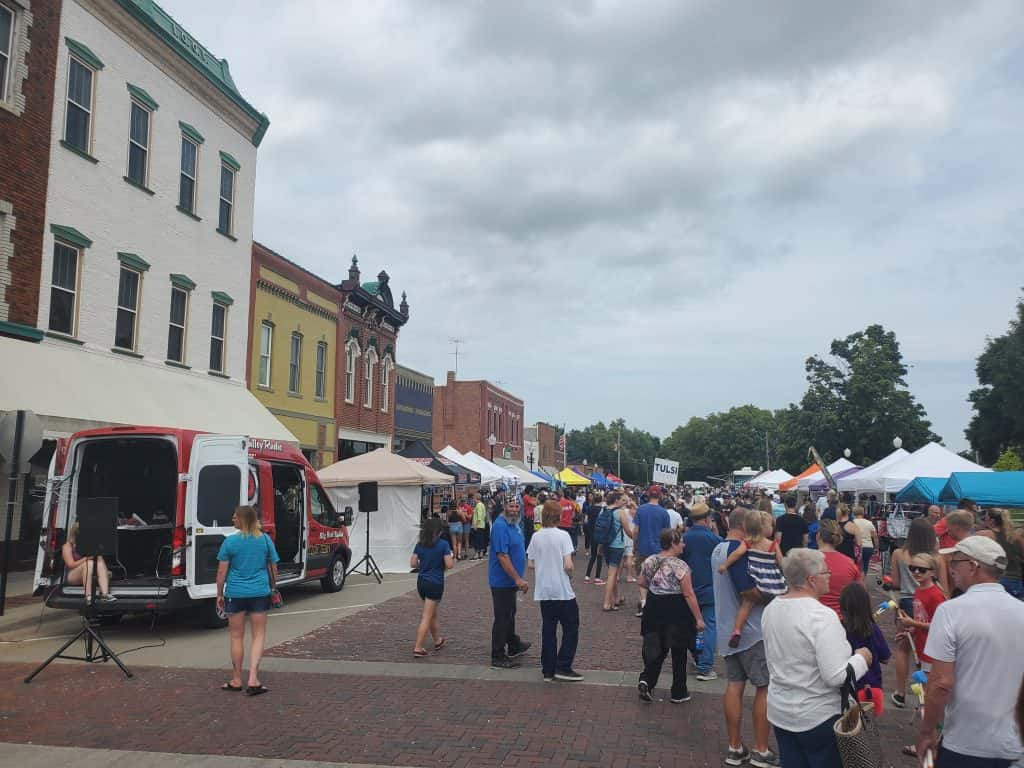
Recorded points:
(368, 365)
(385, 383)
(351, 353)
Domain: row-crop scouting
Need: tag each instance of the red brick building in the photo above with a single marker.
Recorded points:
(466, 413)
(549, 454)
(28, 62)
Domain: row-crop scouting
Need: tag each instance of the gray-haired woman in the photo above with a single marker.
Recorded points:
(808, 654)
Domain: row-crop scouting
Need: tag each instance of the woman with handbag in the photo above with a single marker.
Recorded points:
(808, 656)
(246, 586)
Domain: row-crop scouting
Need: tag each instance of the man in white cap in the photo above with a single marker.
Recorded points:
(977, 669)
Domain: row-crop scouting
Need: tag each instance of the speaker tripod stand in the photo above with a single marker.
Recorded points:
(96, 649)
(366, 561)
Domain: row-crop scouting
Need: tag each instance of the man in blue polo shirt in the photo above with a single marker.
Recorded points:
(648, 523)
(505, 568)
(699, 542)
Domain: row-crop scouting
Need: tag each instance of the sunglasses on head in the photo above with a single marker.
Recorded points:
(918, 568)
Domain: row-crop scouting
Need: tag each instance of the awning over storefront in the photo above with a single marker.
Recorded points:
(72, 389)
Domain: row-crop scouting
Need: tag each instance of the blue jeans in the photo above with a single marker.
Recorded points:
(865, 558)
(555, 658)
(706, 659)
(815, 748)
(950, 759)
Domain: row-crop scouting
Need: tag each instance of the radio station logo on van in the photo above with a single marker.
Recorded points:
(256, 444)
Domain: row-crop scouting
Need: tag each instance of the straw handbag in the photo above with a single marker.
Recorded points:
(856, 732)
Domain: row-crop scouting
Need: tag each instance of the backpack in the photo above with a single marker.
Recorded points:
(604, 526)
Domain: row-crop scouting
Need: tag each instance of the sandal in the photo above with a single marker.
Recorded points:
(419, 653)
(229, 687)
(255, 690)
(440, 643)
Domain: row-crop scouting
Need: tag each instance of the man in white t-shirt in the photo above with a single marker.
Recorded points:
(550, 555)
(977, 668)
(675, 519)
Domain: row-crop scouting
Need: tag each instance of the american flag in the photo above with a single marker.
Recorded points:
(561, 443)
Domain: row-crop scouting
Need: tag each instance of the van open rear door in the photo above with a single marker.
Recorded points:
(218, 482)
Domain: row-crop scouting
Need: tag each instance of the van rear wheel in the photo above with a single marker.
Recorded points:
(336, 573)
(209, 616)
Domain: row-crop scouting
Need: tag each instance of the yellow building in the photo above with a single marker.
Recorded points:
(292, 350)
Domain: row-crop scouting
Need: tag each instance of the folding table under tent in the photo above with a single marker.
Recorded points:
(930, 460)
(852, 483)
(921, 490)
(395, 526)
(788, 485)
(988, 489)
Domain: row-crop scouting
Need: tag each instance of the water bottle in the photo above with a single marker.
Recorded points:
(699, 644)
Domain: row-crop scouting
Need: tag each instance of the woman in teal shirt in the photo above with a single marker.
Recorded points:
(243, 588)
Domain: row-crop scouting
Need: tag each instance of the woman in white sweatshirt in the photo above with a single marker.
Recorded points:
(807, 653)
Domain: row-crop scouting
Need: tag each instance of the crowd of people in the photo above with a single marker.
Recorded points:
(787, 583)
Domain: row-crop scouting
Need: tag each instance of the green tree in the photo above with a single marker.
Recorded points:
(998, 403)
(720, 442)
(597, 444)
(1008, 461)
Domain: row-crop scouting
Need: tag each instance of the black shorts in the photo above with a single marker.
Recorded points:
(429, 590)
(246, 604)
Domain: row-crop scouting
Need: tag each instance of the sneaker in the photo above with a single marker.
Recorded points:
(639, 610)
(523, 648)
(899, 701)
(107, 598)
(737, 756)
(504, 663)
(569, 675)
(705, 676)
(680, 699)
(766, 759)
(549, 678)
(644, 691)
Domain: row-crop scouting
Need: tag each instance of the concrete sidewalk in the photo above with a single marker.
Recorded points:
(34, 756)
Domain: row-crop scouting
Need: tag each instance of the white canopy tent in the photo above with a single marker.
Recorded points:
(854, 482)
(836, 466)
(770, 480)
(487, 474)
(507, 475)
(931, 460)
(525, 476)
(394, 528)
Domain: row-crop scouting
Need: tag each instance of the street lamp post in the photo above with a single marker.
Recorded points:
(492, 441)
(897, 442)
(530, 459)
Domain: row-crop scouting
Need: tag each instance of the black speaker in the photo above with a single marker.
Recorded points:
(368, 497)
(97, 526)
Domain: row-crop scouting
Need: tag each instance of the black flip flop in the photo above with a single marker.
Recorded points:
(230, 687)
(255, 690)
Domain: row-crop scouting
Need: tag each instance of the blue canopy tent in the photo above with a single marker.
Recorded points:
(599, 479)
(545, 477)
(921, 490)
(988, 489)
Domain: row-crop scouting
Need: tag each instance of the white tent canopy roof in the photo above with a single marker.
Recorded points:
(853, 482)
(488, 474)
(771, 479)
(504, 475)
(836, 466)
(383, 467)
(931, 460)
(525, 476)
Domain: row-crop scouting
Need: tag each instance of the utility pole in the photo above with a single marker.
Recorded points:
(456, 342)
(767, 461)
(618, 454)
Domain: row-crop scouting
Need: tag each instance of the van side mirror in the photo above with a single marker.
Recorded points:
(346, 517)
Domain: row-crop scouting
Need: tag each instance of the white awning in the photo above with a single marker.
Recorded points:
(71, 389)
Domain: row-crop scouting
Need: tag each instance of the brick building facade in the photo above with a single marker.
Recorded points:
(542, 444)
(26, 113)
(466, 413)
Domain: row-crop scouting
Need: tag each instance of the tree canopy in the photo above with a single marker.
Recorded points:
(998, 421)
(597, 444)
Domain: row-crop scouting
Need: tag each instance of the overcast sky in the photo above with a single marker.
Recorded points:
(648, 209)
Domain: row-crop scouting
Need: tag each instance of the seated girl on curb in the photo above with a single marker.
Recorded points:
(764, 565)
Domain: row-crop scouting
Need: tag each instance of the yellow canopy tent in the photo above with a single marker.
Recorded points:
(568, 477)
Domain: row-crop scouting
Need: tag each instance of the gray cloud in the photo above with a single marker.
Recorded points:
(709, 191)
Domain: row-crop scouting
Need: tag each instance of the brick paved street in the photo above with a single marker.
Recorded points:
(413, 720)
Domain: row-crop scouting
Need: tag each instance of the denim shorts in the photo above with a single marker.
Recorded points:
(246, 604)
(613, 556)
(455, 528)
(429, 590)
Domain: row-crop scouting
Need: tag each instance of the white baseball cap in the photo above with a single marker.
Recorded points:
(981, 548)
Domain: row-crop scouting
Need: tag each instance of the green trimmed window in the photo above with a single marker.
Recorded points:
(218, 332)
(78, 111)
(64, 288)
(138, 143)
(294, 364)
(187, 183)
(226, 218)
(321, 369)
(129, 292)
(176, 331)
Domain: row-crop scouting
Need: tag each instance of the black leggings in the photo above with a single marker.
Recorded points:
(595, 556)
